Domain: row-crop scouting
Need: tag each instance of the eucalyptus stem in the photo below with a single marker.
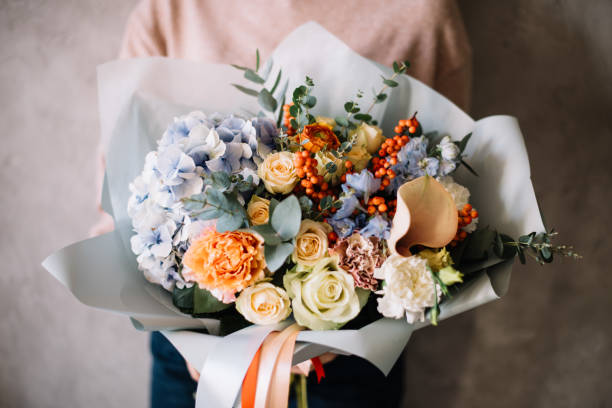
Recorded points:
(382, 90)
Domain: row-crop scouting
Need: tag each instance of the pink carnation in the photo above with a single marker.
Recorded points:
(360, 256)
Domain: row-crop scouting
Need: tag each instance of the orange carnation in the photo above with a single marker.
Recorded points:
(225, 263)
(318, 135)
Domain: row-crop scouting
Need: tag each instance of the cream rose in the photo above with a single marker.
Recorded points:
(359, 156)
(311, 243)
(278, 173)
(368, 136)
(264, 303)
(258, 210)
(409, 288)
(323, 297)
(327, 157)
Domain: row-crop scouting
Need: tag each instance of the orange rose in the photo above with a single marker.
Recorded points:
(318, 135)
(225, 263)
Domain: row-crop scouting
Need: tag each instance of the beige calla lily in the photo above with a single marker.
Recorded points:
(426, 215)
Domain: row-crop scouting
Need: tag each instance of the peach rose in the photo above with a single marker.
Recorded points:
(225, 263)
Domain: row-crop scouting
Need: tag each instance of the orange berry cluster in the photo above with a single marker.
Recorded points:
(311, 181)
(409, 126)
(377, 204)
(465, 217)
(287, 120)
(349, 170)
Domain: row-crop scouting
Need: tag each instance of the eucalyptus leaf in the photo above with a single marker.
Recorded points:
(286, 218)
(267, 101)
(229, 222)
(380, 97)
(267, 232)
(390, 83)
(253, 77)
(363, 117)
(216, 198)
(221, 180)
(276, 81)
(309, 101)
(246, 90)
(183, 298)
(276, 255)
(342, 121)
(210, 214)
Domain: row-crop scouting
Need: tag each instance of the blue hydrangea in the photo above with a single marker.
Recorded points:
(364, 183)
(343, 227)
(377, 227)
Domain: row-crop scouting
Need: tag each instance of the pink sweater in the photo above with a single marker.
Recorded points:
(428, 33)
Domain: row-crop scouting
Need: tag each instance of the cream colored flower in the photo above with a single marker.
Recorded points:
(359, 156)
(460, 194)
(327, 120)
(311, 243)
(278, 173)
(258, 210)
(264, 303)
(409, 288)
(323, 297)
(368, 136)
(324, 157)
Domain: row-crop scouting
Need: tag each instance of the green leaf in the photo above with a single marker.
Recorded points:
(326, 203)
(349, 106)
(193, 205)
(305, 204)
(287, 217)
(463, 143)
(294, 124)
(267, 101)
(210, 214)
(257, 59)
(546, 255)
(501, 249)
(363, 117)
(205, 302)
(229, 222)
(299, 92)
(390, 83)
(294, 111)
(470, 169)
(521, 255)
(380, 97)
(267, 232)
(253, 77)
(342, 121)
(309, 81)
(216, 198)
(239, 67)
(246, 90)
(309, 101)
(331, 167)
(277, 254)
(479, 243)
(221, 180)
(276, 81)
(396, 67)
(183, 298)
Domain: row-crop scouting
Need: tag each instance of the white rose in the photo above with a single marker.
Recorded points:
(264, 303)
(324, 296)
(448, 150)
(258, 210)
(368, 136)
(460, 194)
(278, 173)
(311, 243)
(409, 288)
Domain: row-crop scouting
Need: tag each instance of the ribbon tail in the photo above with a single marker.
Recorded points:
(318, 366)
(249, 385)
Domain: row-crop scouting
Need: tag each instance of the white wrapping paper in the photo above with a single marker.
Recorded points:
(139, 98)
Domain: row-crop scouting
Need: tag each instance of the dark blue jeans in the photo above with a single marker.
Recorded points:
(348, 382)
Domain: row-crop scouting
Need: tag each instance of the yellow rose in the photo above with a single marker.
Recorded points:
(324, 119)
(258, 210)
(327, 157)
(264, 303)
(278, 173)
(368, 136)
(311, 242)
(359, 156)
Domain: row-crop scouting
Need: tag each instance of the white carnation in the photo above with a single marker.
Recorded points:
(460, 194)
(409, 288)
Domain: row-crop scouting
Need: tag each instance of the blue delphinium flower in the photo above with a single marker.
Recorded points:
(413, 161)
(343, 227)
(349, 204)
(364, 183)
(267, 133)
(377, 227)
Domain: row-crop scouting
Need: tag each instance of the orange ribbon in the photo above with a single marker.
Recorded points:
(266, 383)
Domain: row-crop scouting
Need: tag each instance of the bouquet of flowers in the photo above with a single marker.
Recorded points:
(331, 213)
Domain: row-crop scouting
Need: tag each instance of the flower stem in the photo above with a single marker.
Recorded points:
(301, 395)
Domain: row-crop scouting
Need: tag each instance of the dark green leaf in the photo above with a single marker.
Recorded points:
(204, 302)
(326, 203)
(267, 232)
(363, 117)
(470, 169)
(253, 77)
(267, 101)
(183, 298)
(396, 67)
(380, 97)
(346, 146)
(309, 81)
(305, 204)
(521, 255)
(257, 60)
(331, 167)
(309, 101)
(294, 111)
(239, 67)
(276, 81)
(294, 124)
(463, 143)
(246, 90)
(349, 106)
(390, 83)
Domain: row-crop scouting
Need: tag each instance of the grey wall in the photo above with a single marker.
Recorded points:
(547, 343)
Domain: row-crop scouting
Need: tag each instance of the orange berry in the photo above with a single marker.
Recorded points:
(382, 152)
(314, 180)
(375, 160)
(348, 164)
(305, 154)
(324, 186)
(398, 129)
(467, 220)
(386, 165)
(300, 173)
(382, 208)
(397, 139)
(371, 209)
(309, 191)
(393, 161)
(467, 207)
(343, 178)
(320, 195)
(385, 182)
(298, 161)
(474, 214)
(405, 139)
(462, 234)
(332, 236)
(411, 129)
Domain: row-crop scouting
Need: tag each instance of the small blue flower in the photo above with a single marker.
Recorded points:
(349, 204)
(377, 227)
(174, 167)
(267, 133)
(230, 161)
(180, 128)
(343, 227)
(364, 183)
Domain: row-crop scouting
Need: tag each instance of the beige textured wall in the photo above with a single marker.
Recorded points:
(547, 343)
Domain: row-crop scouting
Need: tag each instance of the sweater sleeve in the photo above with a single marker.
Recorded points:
(143, 36)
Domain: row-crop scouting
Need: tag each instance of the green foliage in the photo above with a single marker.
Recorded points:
(198, 301)
(286, 218)
(277, 254)
(267, 101)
